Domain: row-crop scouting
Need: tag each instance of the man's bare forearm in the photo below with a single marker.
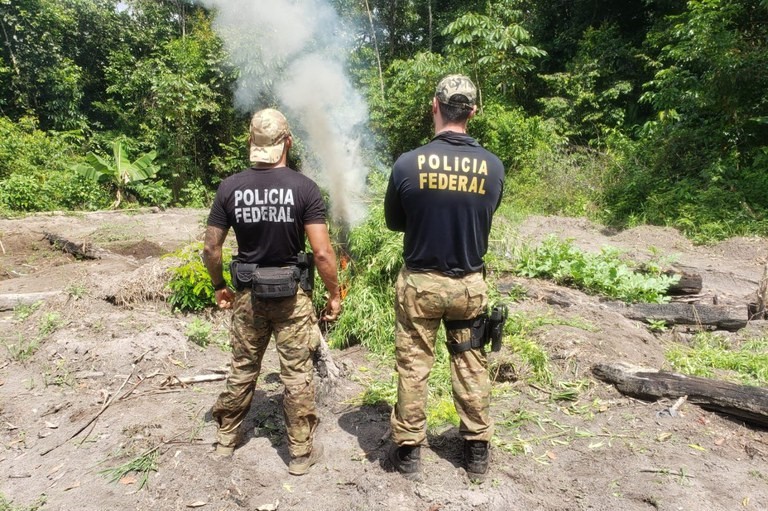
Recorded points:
(325, 262)
(212, 253)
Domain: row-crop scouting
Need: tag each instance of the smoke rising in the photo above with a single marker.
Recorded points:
(294, 51)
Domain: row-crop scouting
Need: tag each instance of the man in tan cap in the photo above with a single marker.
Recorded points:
(443, 196)
(271, 208)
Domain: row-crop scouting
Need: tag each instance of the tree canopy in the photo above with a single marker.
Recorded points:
(628, 112)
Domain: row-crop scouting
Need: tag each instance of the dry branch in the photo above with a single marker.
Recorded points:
(93, 419)
(747, 403)
(172, 381)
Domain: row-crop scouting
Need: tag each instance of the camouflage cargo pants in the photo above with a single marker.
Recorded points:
(423, 300)
(297, 336)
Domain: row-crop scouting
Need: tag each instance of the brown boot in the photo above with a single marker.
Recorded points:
(300, 466)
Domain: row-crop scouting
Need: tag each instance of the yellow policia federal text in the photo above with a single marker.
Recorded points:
(445, 163)
(440, 181)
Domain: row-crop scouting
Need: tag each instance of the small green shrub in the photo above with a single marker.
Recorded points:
(23, 349)
(196, 195)
(23, 311)
(199, 332)
(49, 323)
(190, 285)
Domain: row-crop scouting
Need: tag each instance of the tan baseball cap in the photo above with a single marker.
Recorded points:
(269, 129)
(456, 90)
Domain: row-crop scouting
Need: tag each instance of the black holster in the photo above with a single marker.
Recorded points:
(306, 266)
(485, 328)
(477, 339)
(496, 320)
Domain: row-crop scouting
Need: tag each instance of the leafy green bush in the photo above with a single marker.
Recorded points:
(74, 192)
(55, 190)
(152, 193)
(25, 150)
(196, 195)
(22, 192)
(603, 273)
(190, 284)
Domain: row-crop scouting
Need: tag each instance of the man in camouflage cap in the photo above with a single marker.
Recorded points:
(271, 208)
(443, 196)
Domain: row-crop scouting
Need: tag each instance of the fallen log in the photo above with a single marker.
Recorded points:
(723, 317)
(79, 250)
(747, 403)
(10, 301)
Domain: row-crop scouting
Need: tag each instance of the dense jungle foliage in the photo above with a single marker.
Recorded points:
(641, 111)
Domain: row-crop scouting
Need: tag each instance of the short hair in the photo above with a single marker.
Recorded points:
(454, 113)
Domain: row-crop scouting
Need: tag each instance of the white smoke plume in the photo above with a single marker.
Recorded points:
(295, 51)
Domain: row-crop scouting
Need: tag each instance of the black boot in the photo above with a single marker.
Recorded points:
(407, 460)
(476, 456)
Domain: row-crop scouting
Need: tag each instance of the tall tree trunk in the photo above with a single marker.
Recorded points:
(429, 12)
(376, 47)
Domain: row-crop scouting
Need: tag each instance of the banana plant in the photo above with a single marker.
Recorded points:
(120, 171)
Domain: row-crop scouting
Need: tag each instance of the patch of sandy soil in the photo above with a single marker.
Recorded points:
(87, 386)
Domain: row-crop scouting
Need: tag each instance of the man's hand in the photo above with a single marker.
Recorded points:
(332, 309)
(225, 298)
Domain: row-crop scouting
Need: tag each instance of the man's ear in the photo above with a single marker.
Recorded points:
(473, 112)
(435, 107)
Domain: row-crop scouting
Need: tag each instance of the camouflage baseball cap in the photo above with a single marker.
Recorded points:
(456, 90)
(269, 129)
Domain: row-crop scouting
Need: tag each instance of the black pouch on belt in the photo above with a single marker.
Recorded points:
(242, 274)
(280, 282)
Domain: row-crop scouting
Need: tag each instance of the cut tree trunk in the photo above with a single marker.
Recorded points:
(79, 250)
(747, 403)
(723, 317)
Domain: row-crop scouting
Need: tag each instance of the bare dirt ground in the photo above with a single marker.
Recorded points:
(93, 390)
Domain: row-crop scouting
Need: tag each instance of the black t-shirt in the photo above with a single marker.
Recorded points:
(268, 209)
(443, 196)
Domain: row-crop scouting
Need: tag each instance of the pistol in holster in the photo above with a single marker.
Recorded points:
(487, 328)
